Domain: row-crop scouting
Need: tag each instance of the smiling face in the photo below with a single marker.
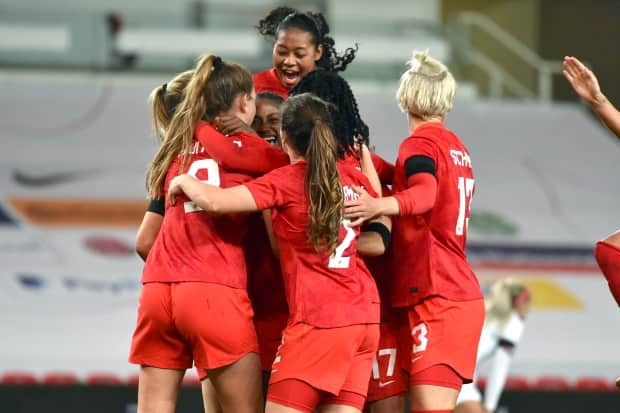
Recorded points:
(294, 55)
(268, 120)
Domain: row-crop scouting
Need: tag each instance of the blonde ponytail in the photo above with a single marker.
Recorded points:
(211, 90)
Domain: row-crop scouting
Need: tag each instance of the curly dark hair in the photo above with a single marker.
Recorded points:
(284, 17)
(334, 89)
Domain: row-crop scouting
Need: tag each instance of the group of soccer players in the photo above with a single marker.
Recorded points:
(283, 257)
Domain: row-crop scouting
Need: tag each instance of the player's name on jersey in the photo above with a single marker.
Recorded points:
(349, 194)
(460, 158)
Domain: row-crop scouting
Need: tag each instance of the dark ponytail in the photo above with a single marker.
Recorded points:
(334, 89)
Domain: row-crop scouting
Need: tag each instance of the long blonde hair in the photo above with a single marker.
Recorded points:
(308, 126)
(427, 88)
(211, 90)
(164, 101)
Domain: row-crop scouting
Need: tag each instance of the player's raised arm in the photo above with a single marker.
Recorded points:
(585, 83)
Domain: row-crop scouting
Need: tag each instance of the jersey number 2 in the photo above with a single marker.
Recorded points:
(337, 260)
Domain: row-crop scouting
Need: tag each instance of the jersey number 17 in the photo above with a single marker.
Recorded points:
(466, 192)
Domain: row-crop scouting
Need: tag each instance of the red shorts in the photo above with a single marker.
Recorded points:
(209, 324)
(328, 359)
(445, 332)
(269, 333)
(388, 377)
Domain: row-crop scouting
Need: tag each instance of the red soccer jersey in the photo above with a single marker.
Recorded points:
(193, 245)
(385, 170)
(243, 153)
(323, 291)
(428, 250)
(268, 81)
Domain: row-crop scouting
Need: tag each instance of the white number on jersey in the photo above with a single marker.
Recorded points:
(466, 190)
(419, 335)
(391, 352)
(213, 178)
(337, 260)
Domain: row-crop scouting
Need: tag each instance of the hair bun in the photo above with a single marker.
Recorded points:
(217, 61)
(418, 58)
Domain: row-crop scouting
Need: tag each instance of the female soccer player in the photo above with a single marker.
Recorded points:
(507, 305)
(181, 296)
(585, 83)
(265, 285)
(433, 187)
(388, 384)
(327, 349)
(302, 44)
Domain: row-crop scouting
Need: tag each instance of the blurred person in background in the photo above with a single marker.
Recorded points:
(301, 44)
(432, 192)
(507, 305)
(181, 296)
(585, 83)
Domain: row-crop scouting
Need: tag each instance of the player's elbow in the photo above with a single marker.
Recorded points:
(371, 244)
(143, 246)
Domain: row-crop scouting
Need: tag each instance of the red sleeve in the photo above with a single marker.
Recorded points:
(417, 146)
(420, 195)
(267, 190)
(268, 81)
(244, 153)
(384, 169)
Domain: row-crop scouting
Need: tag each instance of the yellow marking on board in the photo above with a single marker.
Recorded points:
(546, 293)
(549, 295)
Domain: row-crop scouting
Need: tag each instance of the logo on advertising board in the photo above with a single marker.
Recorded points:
(108, 246)
(61, 212)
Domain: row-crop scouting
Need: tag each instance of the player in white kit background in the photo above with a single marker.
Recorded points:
(507, 305)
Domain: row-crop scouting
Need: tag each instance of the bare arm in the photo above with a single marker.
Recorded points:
(368, 169)
(419, 198)
(211, 198)
(585, 84)
(385, 170)
(147, 233)
(371, 243)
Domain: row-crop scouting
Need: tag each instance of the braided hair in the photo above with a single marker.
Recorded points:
(315, 24)
(334, 89)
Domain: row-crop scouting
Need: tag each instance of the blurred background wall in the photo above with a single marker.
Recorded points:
(75, 140)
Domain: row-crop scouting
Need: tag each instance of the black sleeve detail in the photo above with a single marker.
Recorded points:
(419, 163)
(382, 230)
(157, 206)
(506, 344)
